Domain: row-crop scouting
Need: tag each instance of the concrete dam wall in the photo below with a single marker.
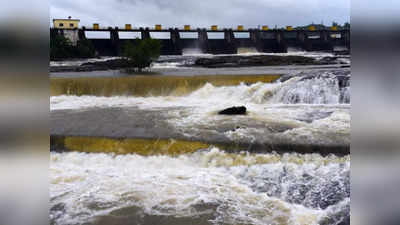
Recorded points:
(227, 41)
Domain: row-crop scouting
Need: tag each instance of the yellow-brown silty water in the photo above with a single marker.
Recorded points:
(138, 146)
(147, 85)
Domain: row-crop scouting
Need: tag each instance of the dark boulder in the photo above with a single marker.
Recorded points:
(241, 110)
(111, 64)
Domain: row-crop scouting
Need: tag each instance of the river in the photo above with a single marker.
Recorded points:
(214, 184)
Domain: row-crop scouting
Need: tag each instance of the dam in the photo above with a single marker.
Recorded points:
(210, 41)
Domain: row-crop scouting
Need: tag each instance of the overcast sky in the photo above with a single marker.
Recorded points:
(202, 13)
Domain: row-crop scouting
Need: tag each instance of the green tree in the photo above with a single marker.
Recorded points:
(85, 49)
(62, 48)
(347, 25)
(141, 54)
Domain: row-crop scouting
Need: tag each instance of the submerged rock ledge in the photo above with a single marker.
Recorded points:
(112, 64)
(173, 147)
(262, 60)
(208, 62)
(133, 130)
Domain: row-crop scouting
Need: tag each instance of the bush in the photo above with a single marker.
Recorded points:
(60, 47)
(142, 54)
(85, 49)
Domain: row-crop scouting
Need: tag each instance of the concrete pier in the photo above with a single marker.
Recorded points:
(145, 33)
(203, 40)
(176, 42)
(114, 36)
(81, 34)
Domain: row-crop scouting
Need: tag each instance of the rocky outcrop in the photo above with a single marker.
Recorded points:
(241, 110)
(231, 61)
(328, 60)
(112, 64)
(71, 128)
(257, 60)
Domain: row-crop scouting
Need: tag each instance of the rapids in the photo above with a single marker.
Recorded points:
(211, 186)
(294, 111)
(321, 89)
(206, 187)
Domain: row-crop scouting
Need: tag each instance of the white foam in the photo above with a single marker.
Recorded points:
(312, 91)
(79, 62)
(95, 184)
(165, 65)
(194, 52)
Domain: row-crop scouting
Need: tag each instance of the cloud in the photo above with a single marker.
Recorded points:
(202, 13)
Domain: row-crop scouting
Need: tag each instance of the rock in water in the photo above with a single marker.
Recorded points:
(257, 60)
(241, 110)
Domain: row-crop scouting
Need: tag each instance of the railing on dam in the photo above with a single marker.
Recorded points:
(108, 41)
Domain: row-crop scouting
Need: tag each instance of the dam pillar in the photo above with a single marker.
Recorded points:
(175, 40)
(145, 33)
(203, 40)
(81, 33)
(302, 39)
(228, 35)
(230, 45)
(114, 36)
(324, 35)
(280, 41)
(256, 39)
(254, 35)
(325, 38)
(345, 36)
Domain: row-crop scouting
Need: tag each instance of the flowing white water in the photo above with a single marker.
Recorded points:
(318, 90)
(310, 110)
(79, 62)
(258, 189)
(241, 188)
(311, 91)
(193, 52)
